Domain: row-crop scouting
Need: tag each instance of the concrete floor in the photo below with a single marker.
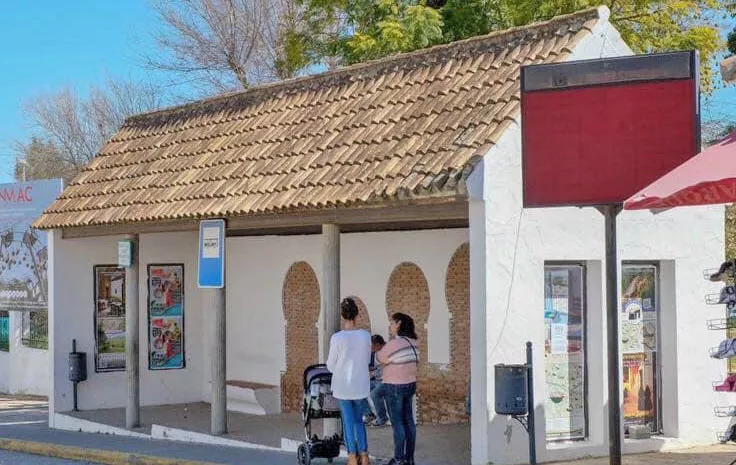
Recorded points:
(436, 445)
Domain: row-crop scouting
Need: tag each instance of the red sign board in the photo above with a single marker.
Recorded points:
(596, 132)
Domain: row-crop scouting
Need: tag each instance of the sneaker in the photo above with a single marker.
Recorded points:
(368, 419)
(728, 295)
(396, 462)
(723, 272)
(377, 423)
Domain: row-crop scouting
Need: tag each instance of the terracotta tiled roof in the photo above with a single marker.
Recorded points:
(409, 126)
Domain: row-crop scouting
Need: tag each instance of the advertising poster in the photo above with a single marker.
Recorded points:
(109, 318)
(23, 250)
(166, 317)
(564, 353)
(639, 345)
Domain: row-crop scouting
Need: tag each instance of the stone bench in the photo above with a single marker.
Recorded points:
(252, 398)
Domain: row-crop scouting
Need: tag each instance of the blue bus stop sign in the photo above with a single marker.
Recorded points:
(211, 268)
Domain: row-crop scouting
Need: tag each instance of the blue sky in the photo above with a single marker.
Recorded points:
(49, 44)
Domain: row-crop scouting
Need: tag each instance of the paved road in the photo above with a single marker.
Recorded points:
(13, 458)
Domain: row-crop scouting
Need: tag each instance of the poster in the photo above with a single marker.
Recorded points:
(109, 318)
(165, 317)
(639, 345)
(565, 410)
(24, 257)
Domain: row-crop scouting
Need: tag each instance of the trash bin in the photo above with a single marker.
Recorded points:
(511, 390)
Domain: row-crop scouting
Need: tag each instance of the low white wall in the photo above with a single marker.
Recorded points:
(257, 267)
(23, 370)
(71, 287)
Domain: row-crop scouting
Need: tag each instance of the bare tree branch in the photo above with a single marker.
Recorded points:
(71, 130)
(226, 45)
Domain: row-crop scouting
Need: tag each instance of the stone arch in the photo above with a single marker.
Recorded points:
(457, 293)
(364, 319)
(301, 305)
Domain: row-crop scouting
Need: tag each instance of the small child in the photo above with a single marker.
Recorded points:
(378, 396)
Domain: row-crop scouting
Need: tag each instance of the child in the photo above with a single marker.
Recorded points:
(378, 397)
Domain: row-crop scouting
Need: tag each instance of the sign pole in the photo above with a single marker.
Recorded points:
(211, 276)
(614, 400)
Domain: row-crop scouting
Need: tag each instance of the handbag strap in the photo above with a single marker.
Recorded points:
(414, 349)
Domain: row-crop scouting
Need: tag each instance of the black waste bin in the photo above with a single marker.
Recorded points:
(77, 367)
(511, 390)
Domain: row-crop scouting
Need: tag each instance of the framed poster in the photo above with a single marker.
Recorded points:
(166, 317)
(109, 318)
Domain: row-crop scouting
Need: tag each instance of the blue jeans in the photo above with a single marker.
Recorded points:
(401, 411)
(378, 396)
(356, 439)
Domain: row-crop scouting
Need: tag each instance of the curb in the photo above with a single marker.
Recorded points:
(105, 457)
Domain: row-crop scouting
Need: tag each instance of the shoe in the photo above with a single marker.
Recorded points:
(364, 459)
(377, 424)
(396, 462)
(352, 459)
(728, 295)
(367, 419)
(723, 272)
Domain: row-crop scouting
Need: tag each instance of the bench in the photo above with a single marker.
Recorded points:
(253, 398)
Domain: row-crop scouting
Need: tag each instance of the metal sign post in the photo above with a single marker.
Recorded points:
(614, 397)
(211, 275)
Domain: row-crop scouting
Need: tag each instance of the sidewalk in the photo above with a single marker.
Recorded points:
(23, 428)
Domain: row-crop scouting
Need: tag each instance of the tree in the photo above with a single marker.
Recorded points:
(40, 159)
(70, 130)
(384, 27)
(227, 45)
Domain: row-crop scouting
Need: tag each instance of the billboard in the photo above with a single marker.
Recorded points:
(596, 132)
(23, 250)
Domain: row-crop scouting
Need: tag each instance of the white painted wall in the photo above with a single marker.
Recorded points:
(72, 309)
(257, 267)
(509, 247)
(23, 370)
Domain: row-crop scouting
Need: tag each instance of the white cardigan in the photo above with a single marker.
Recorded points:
(349, 360)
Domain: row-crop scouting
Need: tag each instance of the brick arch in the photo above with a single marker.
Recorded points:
(364, 319)
(457, 293)
(301, 305)
(408, 292)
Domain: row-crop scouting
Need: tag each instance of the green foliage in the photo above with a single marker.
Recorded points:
(350, 31)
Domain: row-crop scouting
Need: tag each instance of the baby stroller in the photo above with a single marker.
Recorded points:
(318, 403)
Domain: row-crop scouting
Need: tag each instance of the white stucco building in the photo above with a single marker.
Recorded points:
(417, 159)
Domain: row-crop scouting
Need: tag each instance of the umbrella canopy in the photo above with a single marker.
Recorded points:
(707, 178)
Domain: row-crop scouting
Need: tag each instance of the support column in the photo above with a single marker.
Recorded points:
(132, 366)
(330, 297)
(330, 284)
(218, 364)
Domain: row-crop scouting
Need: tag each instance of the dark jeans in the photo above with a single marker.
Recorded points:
(401, 411)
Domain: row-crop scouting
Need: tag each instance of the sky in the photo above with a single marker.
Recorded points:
(50, 44)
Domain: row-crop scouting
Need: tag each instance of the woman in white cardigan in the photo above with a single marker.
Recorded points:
(349, 360)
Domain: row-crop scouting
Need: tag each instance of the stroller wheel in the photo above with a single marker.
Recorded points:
(302, 455)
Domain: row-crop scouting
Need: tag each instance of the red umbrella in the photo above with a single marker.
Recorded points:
(707, 178)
